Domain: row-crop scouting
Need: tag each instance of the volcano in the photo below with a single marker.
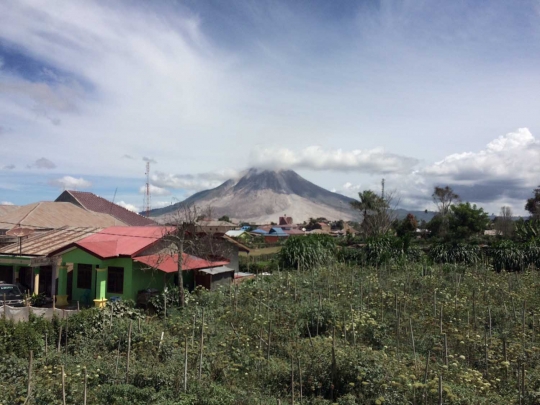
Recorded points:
(262, 196)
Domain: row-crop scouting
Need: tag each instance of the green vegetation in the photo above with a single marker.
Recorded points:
(336, 334)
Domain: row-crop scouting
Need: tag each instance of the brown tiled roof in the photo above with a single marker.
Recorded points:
(54, 215)
(44, 243)
(92, 202)
(6, 209)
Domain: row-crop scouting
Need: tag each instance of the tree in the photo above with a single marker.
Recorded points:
(504, 224)
(444, 198)
(183, 236)
(533, 204)
(224, 218)
(466, 220)
(407, 226)
(378, 213)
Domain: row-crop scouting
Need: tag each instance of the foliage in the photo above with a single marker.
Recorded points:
(38, 300)
(307, 252)
(527, 230)
(533, 204)
(467, 220)
(224, 218)
(455, 252)
(355, 335)
(407, 226)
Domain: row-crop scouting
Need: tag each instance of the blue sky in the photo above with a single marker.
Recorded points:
(421, 93)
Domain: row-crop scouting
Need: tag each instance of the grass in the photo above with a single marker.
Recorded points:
(262, 251)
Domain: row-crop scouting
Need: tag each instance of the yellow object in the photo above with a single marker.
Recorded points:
(100, 303)
(61, 301)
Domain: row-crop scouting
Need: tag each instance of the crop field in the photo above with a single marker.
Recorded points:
(407, 334)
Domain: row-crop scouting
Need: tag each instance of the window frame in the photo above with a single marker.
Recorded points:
(87, 268)
(117, 272)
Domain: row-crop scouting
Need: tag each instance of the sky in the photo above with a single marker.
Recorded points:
(420, 93)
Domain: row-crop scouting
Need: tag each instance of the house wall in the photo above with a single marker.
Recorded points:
(79, 256)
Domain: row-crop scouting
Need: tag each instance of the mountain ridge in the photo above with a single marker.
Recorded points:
(262, 196)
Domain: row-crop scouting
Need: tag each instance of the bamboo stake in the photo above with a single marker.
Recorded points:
(309, 334)
(128, 351)
(413, 347)
(440, 390)
(46, 344)
(441, 319)
(269, 336)
(300, 378)
(59, 338)
(85, 385)
(185, 364)
(63, 387)
(160, 341)
(202, 345)
(67, 329)
(117, 361)
(292, 379)
(445, 349)
(193, 330)
(426, 371)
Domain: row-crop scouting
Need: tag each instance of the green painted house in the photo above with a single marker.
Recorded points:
(122, 261)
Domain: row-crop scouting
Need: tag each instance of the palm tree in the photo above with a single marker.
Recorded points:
(369, 201)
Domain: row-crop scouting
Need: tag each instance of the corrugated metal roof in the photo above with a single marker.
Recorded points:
(235, 233)
(122, 241)
(6, 209)
(54, 215)
(46, 242)
(169, 263)
(95, 203)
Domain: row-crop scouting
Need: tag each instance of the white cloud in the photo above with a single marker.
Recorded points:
(155, 190)
(71, 183)
(514, 157)
(318, 158)
(128, 206)
(193, 182)
(42, 163)
(6, 203)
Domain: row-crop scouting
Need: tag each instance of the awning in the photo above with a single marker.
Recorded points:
(169, 263)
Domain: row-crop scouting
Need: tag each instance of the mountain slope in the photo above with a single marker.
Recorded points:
(263, 196)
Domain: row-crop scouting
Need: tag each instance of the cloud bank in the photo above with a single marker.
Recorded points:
(373, 161)
(42, 163)
(70, 183)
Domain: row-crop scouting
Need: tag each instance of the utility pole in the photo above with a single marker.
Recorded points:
(382, 193)
(147, 191)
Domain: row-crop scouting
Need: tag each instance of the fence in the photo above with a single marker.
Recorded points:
(22, 314)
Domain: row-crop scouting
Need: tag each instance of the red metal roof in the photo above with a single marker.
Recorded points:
(122, 240)
(95, 203)
(169, 263)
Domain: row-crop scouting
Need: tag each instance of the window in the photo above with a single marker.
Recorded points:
(115, 280)
(84, 276)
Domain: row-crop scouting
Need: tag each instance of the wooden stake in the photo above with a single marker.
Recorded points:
(445, 349)
(300, 378)
(59, 338)
(117, 361)
(128, 351)
(292, 379)
(63, 387)
(46, 344)
(85, 385)
(413, 347)
(185, 364)
(201, 345)
(160, 341)
(440, 390)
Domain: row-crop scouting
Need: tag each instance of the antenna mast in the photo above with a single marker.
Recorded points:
(147, 194)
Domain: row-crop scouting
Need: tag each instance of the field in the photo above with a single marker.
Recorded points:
(409, 334)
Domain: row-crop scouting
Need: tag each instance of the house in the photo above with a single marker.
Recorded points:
(91, 202)
(238, 234)
(211, 226)
(121, 261)
(274, 235)
(286, 221)
(29, 261)
(6, 209)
